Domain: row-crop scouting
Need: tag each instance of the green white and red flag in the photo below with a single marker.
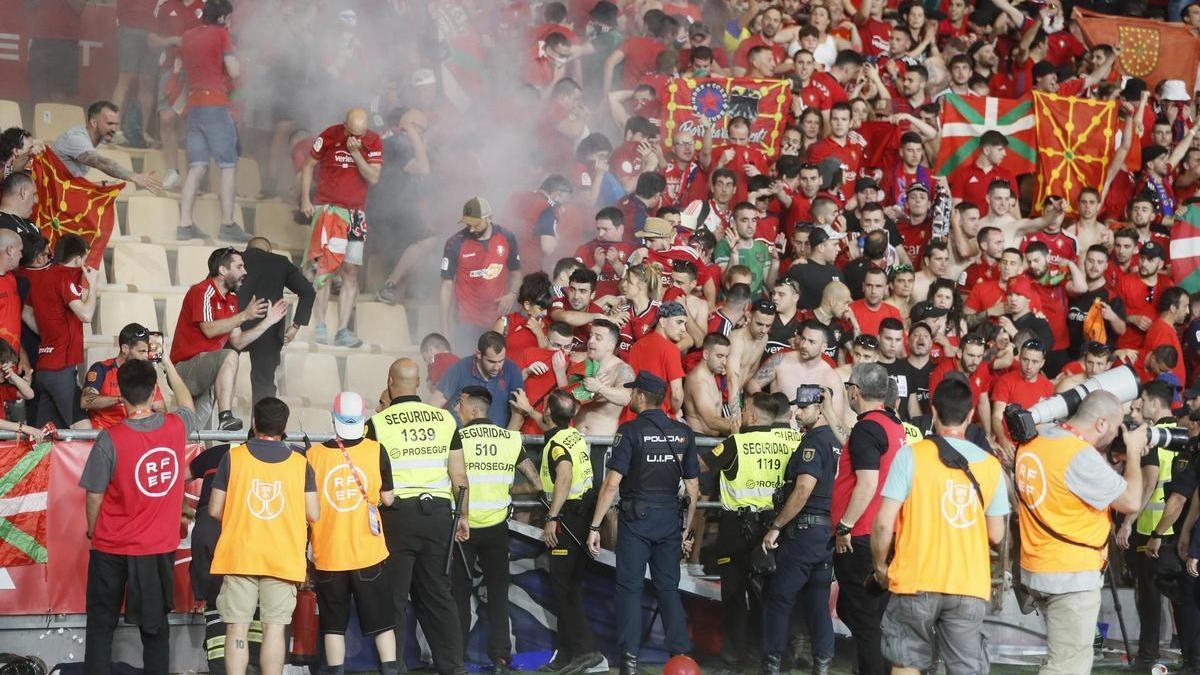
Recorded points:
(24, 490)
(965, 119)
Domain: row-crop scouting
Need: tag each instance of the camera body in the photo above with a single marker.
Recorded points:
(1022, 424)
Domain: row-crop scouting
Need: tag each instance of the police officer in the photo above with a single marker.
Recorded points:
(1153, 547)
(802, 531)
(751, 464)
(566, 476)
(654, 452)
(492, 454)
(425, 449)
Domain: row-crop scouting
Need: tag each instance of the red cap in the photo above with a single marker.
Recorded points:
(1021, 286)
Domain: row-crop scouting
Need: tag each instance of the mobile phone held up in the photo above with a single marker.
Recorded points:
(156, 347)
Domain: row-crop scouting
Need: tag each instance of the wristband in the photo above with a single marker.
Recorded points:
(593, 528)
(554, 519)
(843, 529)
(774, 528)
(1156, 535)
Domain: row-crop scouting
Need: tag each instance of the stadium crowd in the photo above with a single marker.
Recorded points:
(645, 280)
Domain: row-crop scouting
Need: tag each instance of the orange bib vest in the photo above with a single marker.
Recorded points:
(341, 537)
(1041, 467)
(262, 527)
(941, 532)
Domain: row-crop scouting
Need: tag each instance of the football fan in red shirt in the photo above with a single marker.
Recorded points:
(1024, 385)
(687, 180)
(608, 254)
(971, 183)
(101, 397)
(658, 352)
(526, 328)
(350, 157)
(986, 267)
(1140, 293)
(638, 54)
(481, 272)
(839, 145)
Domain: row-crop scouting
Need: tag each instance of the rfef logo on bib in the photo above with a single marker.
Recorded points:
(156, 472)
(340, 488)
(265, 499)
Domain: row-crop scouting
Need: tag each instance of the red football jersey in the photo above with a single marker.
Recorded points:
(339, 182)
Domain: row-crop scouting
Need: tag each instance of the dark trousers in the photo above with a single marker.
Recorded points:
(804, 566)
(1146, 596)
(57, 397)
(488, 546)
(735, 539)
(106, 577)
(568, 569)
(861, 611)
(207, 587)
(657, 540)
(418, 532)
(265, 355)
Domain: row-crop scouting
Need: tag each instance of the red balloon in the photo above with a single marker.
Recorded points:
(681, 665)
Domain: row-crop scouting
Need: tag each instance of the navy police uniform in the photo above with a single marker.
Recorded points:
(652, 452)
(1185, 598)
(804, 559)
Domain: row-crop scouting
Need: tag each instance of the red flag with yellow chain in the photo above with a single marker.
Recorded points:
(1075, 144)
(1150, 49)
(67, 204)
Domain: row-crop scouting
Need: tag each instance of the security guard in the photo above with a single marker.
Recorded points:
(566, 477)
(802, 531)
(654, 452)
(425, 449)
(1149, 526)
(492, 454)
(751, 464)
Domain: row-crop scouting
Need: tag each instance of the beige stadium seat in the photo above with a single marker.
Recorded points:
(154, 163)
(51, 119)
(10, 114)
(151, 216)
(312, 375)
(171, 309)
(191, 264)
(366, 374)
(118, 309)
(331, 322)
(207, 214)
(141, 265)
(383, 325)
(273, 220)
(249, 180)
(310, 420)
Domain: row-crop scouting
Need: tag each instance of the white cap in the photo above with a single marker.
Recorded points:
(349, 415)
(1175, 90)
(422, 77)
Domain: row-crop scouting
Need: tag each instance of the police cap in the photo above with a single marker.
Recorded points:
(649, 383)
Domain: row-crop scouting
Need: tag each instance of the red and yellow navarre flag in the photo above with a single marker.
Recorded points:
(690, 101)
(1150, 49)
(1075, 144)
(70, 205)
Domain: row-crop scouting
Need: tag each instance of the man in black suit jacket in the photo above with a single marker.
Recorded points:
(267, 275)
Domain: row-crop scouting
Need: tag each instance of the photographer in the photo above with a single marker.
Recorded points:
(1065, 488)
(945, 501)
(1142, 529)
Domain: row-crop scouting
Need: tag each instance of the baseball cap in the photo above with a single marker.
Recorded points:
(655, 228)
(927, 310)
(475, 211)
(670, 309)
(916, 186)
(865, 183)
(648, 382)
(1151, 153)
(698, 28)
(1020, 286)
(349, 415)
(1152, 249)
(822, 234)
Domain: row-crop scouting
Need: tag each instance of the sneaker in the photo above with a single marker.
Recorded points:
(387, 295)
(601, 667)
(695, 569)
(230, 423)
(345, 338)
(557, 663)
(172, 181)
(189, 232)
(581, 663)
(233, 232)
(500, 667)
(319, 334)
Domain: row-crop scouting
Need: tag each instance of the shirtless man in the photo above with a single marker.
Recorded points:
(704, 407)
(934, 265)
(1002, 214)
(865, 349)
(900, 281)
(964, 237)
(1087, 230)
(786, 371)
(746, 347)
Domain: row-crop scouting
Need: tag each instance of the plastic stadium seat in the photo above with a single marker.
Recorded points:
(366, 374)
(118, 309)
(141, 265)
(153, 217)
(249, 180)
(383, 325)
(171, 311)
(331, 322)
(191, 264)
(312, 375)
(207, 214)
(311, 420)
(50, 120)
(273, 220)
(10, 114)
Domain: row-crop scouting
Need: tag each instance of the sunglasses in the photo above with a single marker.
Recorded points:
(765, 307)
(975, 340)
(1033, 343)
(868, 341)
(1097, 349)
